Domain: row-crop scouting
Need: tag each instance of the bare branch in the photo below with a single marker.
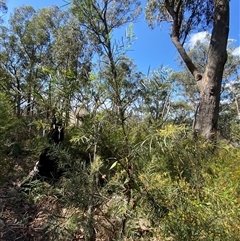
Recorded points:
(176, 41)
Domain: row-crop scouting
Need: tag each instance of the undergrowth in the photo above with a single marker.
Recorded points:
(180, 189)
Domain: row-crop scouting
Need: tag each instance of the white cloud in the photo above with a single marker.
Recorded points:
(204, 37)
(201, 37)
(236, 51)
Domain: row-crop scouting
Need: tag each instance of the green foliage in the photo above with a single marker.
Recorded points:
(133, 171)
(156, 94)
(6, 117)
(192, 15)
(101, 18)
(11, 129)
(190, 188)
(180, 188)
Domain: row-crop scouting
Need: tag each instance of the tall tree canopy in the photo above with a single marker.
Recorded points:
(3, 8)
(32, 57)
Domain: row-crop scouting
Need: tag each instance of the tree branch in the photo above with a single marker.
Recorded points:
(190, 65)
(176, 41)
(217, 49)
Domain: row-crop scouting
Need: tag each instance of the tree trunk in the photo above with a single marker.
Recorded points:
(18, 98)
(206, 121)
(209, 83)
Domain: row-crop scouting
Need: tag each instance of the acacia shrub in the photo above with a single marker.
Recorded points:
(189, 189)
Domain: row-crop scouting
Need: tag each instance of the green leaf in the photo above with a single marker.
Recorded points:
(38, 95)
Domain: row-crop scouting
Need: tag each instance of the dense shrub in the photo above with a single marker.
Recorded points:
(162, 184)
(190, 189)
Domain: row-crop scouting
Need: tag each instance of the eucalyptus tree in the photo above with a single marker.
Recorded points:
(24, 48)
(230, 82)
(3, 9)
(71, 56)
(37, 47)
(14, 56)
(186, 16)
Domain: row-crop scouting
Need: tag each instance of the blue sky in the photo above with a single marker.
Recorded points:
(152, 48)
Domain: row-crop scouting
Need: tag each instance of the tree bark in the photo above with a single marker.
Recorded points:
(209, 83)
(206, 122)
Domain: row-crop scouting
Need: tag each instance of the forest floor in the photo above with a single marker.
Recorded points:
(24, 216)
(39, 213)
(20, 219)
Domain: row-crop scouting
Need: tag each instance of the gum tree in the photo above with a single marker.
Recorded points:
(32, 57)
(229, 110)
(186, 16)
(3, 9)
